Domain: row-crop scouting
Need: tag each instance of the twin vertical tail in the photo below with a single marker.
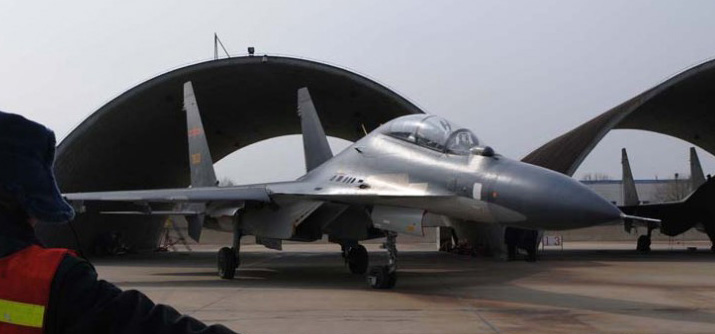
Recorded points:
(697, 177)
(315, 142)
(630, 194)
(200, 161)
(703, 190)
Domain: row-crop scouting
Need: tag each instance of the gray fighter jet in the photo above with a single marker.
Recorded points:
(413, 172)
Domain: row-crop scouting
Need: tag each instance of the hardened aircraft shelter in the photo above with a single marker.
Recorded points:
(138, 140)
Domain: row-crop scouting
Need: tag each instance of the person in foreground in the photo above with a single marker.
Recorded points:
(46, 290)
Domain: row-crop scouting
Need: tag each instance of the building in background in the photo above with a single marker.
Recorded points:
(649, 191)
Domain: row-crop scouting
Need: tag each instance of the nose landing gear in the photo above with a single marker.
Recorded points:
(385, 277)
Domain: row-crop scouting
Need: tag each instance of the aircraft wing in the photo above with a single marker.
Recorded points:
(657, 211)
(373, 193)
(650, 215)
(179, 195)
(355, 195)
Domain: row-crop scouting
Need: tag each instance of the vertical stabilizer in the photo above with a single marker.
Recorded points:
(697, 177)
(315, 143)
(630, 195)
(200, 163)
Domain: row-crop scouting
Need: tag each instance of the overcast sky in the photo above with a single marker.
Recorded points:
(517, 73)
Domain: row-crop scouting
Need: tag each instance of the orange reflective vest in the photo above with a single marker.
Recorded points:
(25, 281)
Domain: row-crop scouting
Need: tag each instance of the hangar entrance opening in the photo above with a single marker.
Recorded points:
(276, 159)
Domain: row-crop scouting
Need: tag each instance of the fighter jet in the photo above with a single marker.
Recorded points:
(673, 218)
(412, 172)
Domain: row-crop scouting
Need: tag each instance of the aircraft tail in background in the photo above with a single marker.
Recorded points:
(630, 194)
(697, 177)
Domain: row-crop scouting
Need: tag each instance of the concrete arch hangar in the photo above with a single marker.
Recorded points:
(682, 106)
(138, 140)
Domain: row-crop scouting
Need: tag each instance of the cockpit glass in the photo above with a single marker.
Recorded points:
(433, 132)
(461, 141)
(405, 128)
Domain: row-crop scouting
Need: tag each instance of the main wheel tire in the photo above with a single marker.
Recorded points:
(358, 259)
(643, 244)
(381, 278)
(227, 263)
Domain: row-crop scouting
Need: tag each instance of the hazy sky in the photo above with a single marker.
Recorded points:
(516, 73)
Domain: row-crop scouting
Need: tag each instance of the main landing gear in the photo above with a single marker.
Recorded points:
(228, 260)
(643, 243)
(356, 258)
(385, 277)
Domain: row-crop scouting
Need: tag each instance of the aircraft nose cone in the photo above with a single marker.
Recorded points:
(550, 200)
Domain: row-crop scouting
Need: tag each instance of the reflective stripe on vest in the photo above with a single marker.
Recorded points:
(24, 314)
(25, 282)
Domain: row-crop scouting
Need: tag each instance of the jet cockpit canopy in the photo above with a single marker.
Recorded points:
(433, 132)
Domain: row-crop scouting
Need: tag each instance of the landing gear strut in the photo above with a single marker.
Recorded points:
(385, 277)
(356, 258)
(228, 260)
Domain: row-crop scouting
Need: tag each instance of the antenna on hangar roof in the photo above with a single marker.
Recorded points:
(217, 42)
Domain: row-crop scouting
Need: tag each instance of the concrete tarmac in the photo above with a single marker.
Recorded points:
(586, 288)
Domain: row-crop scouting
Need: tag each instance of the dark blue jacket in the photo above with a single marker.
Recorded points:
(81, 303)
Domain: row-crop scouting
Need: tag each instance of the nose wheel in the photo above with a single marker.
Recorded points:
(385, 277)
